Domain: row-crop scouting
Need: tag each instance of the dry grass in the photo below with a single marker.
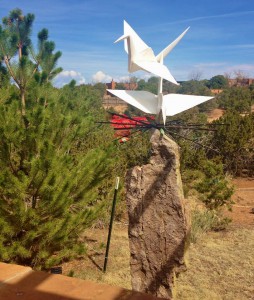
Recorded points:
(220, 266)
(90, 268)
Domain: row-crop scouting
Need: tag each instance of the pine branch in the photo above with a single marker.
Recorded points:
(7, 60)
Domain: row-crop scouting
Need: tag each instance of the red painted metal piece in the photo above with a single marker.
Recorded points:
(123, 125)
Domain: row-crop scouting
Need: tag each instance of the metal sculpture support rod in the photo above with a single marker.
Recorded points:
(111, 225)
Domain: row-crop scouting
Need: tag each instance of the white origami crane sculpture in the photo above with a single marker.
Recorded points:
(141, 57)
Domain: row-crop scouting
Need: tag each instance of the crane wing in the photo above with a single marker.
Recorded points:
(145, 101)
(176, 103)
(171, 46)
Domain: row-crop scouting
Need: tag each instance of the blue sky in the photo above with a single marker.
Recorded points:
(220, 39)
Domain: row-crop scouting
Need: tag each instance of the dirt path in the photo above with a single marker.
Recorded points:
(242, 210)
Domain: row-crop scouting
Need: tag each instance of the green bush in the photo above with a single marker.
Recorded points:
(214, 187)
(203, 221)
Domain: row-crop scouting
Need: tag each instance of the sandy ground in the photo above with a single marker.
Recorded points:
(215, 114)
(242, 211)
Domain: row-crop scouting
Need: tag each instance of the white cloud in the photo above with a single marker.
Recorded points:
(146, 76)
(139, 75)
(101, 77)
(66, 76)
(210, 65)
(122, 78)
(207, 17)
(209, 70)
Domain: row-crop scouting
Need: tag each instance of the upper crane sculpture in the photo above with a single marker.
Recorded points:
(141, 57)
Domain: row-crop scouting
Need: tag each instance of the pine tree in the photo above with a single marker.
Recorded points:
(234, 141)
(55, 176)
(214, 187)
(236, 98)
(19, 57)
(56, 166)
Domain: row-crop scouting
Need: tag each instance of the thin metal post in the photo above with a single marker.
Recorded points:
(111, 224)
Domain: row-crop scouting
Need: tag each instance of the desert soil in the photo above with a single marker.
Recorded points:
(242, 213)
(215, 114)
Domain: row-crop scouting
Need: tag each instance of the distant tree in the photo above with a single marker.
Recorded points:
(169, 87)
(234, 141)
(133, 79)
(101, 87)
(120, 86)
(217, 82)
(195, 75)
(191, 115)
(228, 75)
(240, 75)
(152, 85)
(236, 98)
(141, 85)
(193, 87)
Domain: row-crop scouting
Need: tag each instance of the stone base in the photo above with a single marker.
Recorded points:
(157, 219)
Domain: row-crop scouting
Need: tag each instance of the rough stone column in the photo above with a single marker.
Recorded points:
(157, 219)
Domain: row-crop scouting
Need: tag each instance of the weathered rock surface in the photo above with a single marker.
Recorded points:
(157, 219)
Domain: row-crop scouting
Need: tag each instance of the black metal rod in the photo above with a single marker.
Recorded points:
(111, 225)
(194, 142)
(190, 127)
(118, 123)
(207, 124)
(130, 126)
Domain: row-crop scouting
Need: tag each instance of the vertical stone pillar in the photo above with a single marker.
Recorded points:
(157, 219)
